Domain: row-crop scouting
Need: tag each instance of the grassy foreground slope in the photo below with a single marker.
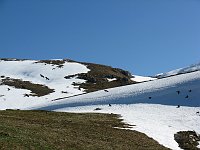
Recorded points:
(54, 130)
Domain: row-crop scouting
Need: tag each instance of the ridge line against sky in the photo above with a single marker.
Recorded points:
(144, 37)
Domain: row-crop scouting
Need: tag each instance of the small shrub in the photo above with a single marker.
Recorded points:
(187, 140)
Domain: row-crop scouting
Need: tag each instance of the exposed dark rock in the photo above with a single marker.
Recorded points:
(70, 76)
(187, 140)
(97, 109)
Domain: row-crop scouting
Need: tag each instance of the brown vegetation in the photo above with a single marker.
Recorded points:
(187, 140)
(53, 130)
(36, 89)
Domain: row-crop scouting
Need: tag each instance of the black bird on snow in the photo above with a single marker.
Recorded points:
(8, 89)
(190, 90)
(106, 90)
(26, 95)
(187, 96)
(150, 97)
(41, 76)
(110, 105)
(197, 112)
(178, 106)
(178, 92)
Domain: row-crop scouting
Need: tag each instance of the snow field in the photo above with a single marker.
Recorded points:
(29, 70)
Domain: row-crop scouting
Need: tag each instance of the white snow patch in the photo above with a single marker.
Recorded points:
(142, 79)
(110, 80)
(191, 68)
(29, 70)
(160, 122)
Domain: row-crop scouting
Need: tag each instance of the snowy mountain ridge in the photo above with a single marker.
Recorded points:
(191, 68)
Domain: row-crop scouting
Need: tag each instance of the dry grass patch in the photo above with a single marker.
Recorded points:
(97, 77)
(58, 63)
(36, 89)
(54, 130)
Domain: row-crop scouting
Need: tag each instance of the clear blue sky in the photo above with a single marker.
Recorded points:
(143, 36)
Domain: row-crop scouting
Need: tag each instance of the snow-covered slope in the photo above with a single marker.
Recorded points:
(50, 75)
(158, 108)
(151, 106)
(142, 78)
(191, 68)
(24, 83)
(161, 91)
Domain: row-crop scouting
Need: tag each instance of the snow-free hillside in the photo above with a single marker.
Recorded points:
(191, 68)
(151, 106)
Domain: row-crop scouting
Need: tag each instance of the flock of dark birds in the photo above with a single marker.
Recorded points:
(178, 92)
(178, 106)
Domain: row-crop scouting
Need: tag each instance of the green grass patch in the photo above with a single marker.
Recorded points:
(54, 130)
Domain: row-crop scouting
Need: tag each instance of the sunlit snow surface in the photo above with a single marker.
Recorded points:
(141, 78)
(151, 106)
(192, 68)
(160, 122)
(29, 70)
